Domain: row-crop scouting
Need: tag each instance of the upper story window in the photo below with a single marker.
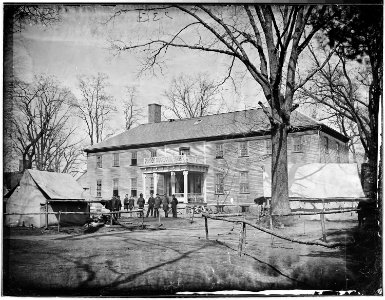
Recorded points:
(338, 151)
(184, 151)
(244, 182)
(326, 144)
(116, 160)
(99, 163)
(219, 151)
(99, 188)
(297, 147)
(134, 158)
(219, 183)
(153, 152)
(243, 148)
(268, 146)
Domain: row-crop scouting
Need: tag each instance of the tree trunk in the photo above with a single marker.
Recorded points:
(280, 187)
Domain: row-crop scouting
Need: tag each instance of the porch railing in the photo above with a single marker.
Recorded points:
(176, 159)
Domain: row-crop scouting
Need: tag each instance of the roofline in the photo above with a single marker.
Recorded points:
(321, 127)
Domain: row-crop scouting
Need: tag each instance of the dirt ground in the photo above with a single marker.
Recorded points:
(117, 261)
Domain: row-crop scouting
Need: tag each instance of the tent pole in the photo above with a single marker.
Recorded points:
(46, 215)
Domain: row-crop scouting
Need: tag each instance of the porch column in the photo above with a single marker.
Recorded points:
(172, 183)
(155, 176)
(185, 173)
(205, 187)
(144, 176)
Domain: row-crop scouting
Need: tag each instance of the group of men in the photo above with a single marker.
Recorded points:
(154, 204)
(114, 205)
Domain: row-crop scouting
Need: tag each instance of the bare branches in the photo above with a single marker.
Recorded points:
(190, 97)
(41, 119)
(94, 107)
(33, 14)
(132, 113)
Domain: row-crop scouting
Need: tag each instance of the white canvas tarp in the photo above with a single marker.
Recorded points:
(57, 185)
(326, 181)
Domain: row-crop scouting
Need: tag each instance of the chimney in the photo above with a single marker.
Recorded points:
(154, 113)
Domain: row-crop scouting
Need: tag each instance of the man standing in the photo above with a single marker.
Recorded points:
(157, 203)
(119, 207)
(174, 203)
(165, 203)
(126, 202)
(151, 202)
(131, 204)
(140, 203)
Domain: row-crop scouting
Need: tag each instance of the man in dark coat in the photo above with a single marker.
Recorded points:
(151, 202)
(131, 204)
(126, 202)
(119, 206)
(140, 203)
(157, 204)
(114, 206)
(165, 203)
(174, 203)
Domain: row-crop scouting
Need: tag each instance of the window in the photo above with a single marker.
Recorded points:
(153, 153)
(151, 184)
(219, 185)
(115, 190)
(297, 147)
(134, 158)
(338, 152)
(99, 188)
(99, 161)
(268, 146)
(243, 149)
(244, 182)
(134, 183)
(184, 151)
(219, 151)
(116, 159)
(326, 144)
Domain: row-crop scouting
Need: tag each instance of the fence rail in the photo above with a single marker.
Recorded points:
(242, 234)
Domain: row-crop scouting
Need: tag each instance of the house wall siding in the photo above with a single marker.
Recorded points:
(231, 165)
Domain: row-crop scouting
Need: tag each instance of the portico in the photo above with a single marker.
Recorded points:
(180, 177)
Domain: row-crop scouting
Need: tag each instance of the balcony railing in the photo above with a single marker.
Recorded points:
(165, 160)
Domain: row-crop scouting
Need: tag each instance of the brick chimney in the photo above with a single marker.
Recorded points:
(154, 113)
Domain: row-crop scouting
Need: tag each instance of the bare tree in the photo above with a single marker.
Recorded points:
(343, 91)
(95, 105)
(192, 96)
(266, 40)
(132, 113)
(41, 123)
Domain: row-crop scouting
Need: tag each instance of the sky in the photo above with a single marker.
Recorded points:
(79, 44)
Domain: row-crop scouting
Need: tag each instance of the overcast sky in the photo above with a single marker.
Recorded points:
(79, 44)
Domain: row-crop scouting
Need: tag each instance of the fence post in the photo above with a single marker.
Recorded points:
(58, 223)
(241, 238)
(207, 229)
(322, 217)
(46, 215)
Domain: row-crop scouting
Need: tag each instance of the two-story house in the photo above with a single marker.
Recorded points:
(211, 158)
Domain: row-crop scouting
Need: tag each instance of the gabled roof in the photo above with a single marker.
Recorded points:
(220, 126)
(57, 186)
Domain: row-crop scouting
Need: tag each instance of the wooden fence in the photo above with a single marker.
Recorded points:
(243, 222)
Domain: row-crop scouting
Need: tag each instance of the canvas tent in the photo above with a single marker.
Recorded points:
(41, 190)
(317, 186)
